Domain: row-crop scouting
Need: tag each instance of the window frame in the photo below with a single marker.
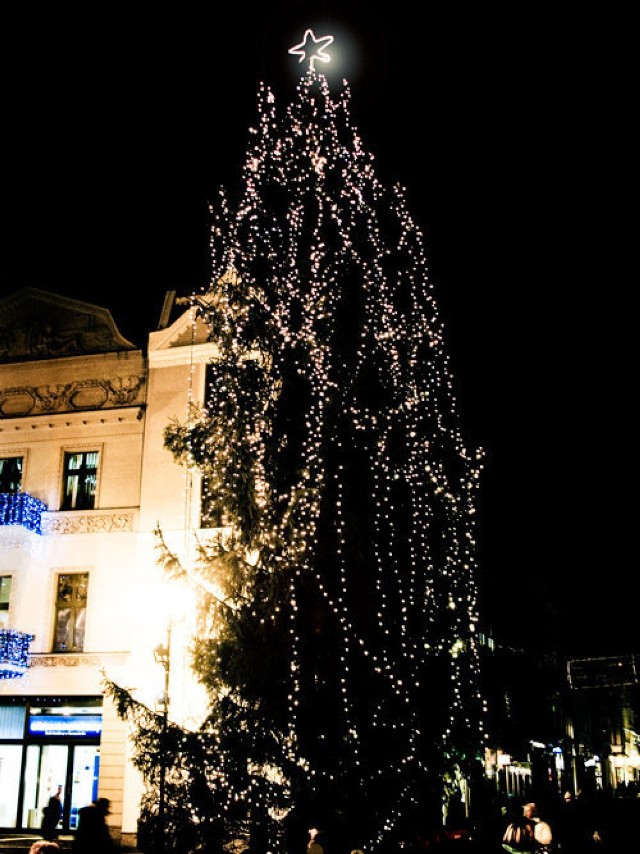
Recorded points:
(60, 604)
(66, 454)
(10, 455)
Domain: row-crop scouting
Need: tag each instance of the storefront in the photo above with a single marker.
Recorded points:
(46, 742)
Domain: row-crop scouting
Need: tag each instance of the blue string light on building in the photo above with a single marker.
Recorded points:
(22, 509)
(15, 653)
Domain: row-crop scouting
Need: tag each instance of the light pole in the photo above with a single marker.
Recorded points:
(162, 654)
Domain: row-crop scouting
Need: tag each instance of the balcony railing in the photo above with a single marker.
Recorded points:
(20, 508)
(15, 653)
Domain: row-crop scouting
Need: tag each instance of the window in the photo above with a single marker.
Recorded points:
(5, 597)
(79, 480)
(10, 474)
(71, 612)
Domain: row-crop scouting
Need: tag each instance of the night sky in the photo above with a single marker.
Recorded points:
(510, 127)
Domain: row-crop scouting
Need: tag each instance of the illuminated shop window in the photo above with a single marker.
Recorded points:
(71, 612)
(10, 474)
(79, 480)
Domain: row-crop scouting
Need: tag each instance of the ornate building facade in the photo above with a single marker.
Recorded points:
(85, 481)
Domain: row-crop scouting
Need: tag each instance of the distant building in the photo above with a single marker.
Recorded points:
(84, 482)
(556, 724)
(523, 693)
(602, 707)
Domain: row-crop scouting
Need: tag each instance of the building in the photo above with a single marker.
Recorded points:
(602, 707)
(558, 724)
(84, 482)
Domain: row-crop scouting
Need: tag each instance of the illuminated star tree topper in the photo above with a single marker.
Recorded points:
(311, 48)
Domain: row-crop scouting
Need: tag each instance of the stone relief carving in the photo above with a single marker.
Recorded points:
(76, 659)
(36, 324)
(64, 660)
(84, 394)
(89, 394)
(15, 402)
(85, 524)
(38, 339)
(52, 397)
(124, 390)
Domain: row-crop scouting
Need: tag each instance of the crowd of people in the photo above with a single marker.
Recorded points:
(571, 826)
(566, 824)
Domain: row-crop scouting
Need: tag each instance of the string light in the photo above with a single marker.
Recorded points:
(15, 653)
(22, 509)
(346, 599)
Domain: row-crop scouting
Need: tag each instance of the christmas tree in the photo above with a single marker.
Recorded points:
(338, 613)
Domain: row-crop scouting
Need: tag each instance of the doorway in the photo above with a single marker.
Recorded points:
(75, 767)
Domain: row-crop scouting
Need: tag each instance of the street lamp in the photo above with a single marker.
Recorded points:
(162, 655)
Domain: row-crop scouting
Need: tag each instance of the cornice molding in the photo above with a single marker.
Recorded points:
(121, 415)
(193, 354)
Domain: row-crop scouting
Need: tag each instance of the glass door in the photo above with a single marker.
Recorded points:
(73, 766)
(84, 780)
(10, 764)
(46, 768)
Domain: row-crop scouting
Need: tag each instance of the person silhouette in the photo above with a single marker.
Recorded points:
(314, 846)
(92, 835)
(51, 816)
(576, 827)
(542, 832)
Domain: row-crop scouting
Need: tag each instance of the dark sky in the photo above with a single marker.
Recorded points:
(512, 129)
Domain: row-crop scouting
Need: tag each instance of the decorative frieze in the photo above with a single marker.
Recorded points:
(88, 523)
(72, 397)
(66, 659)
